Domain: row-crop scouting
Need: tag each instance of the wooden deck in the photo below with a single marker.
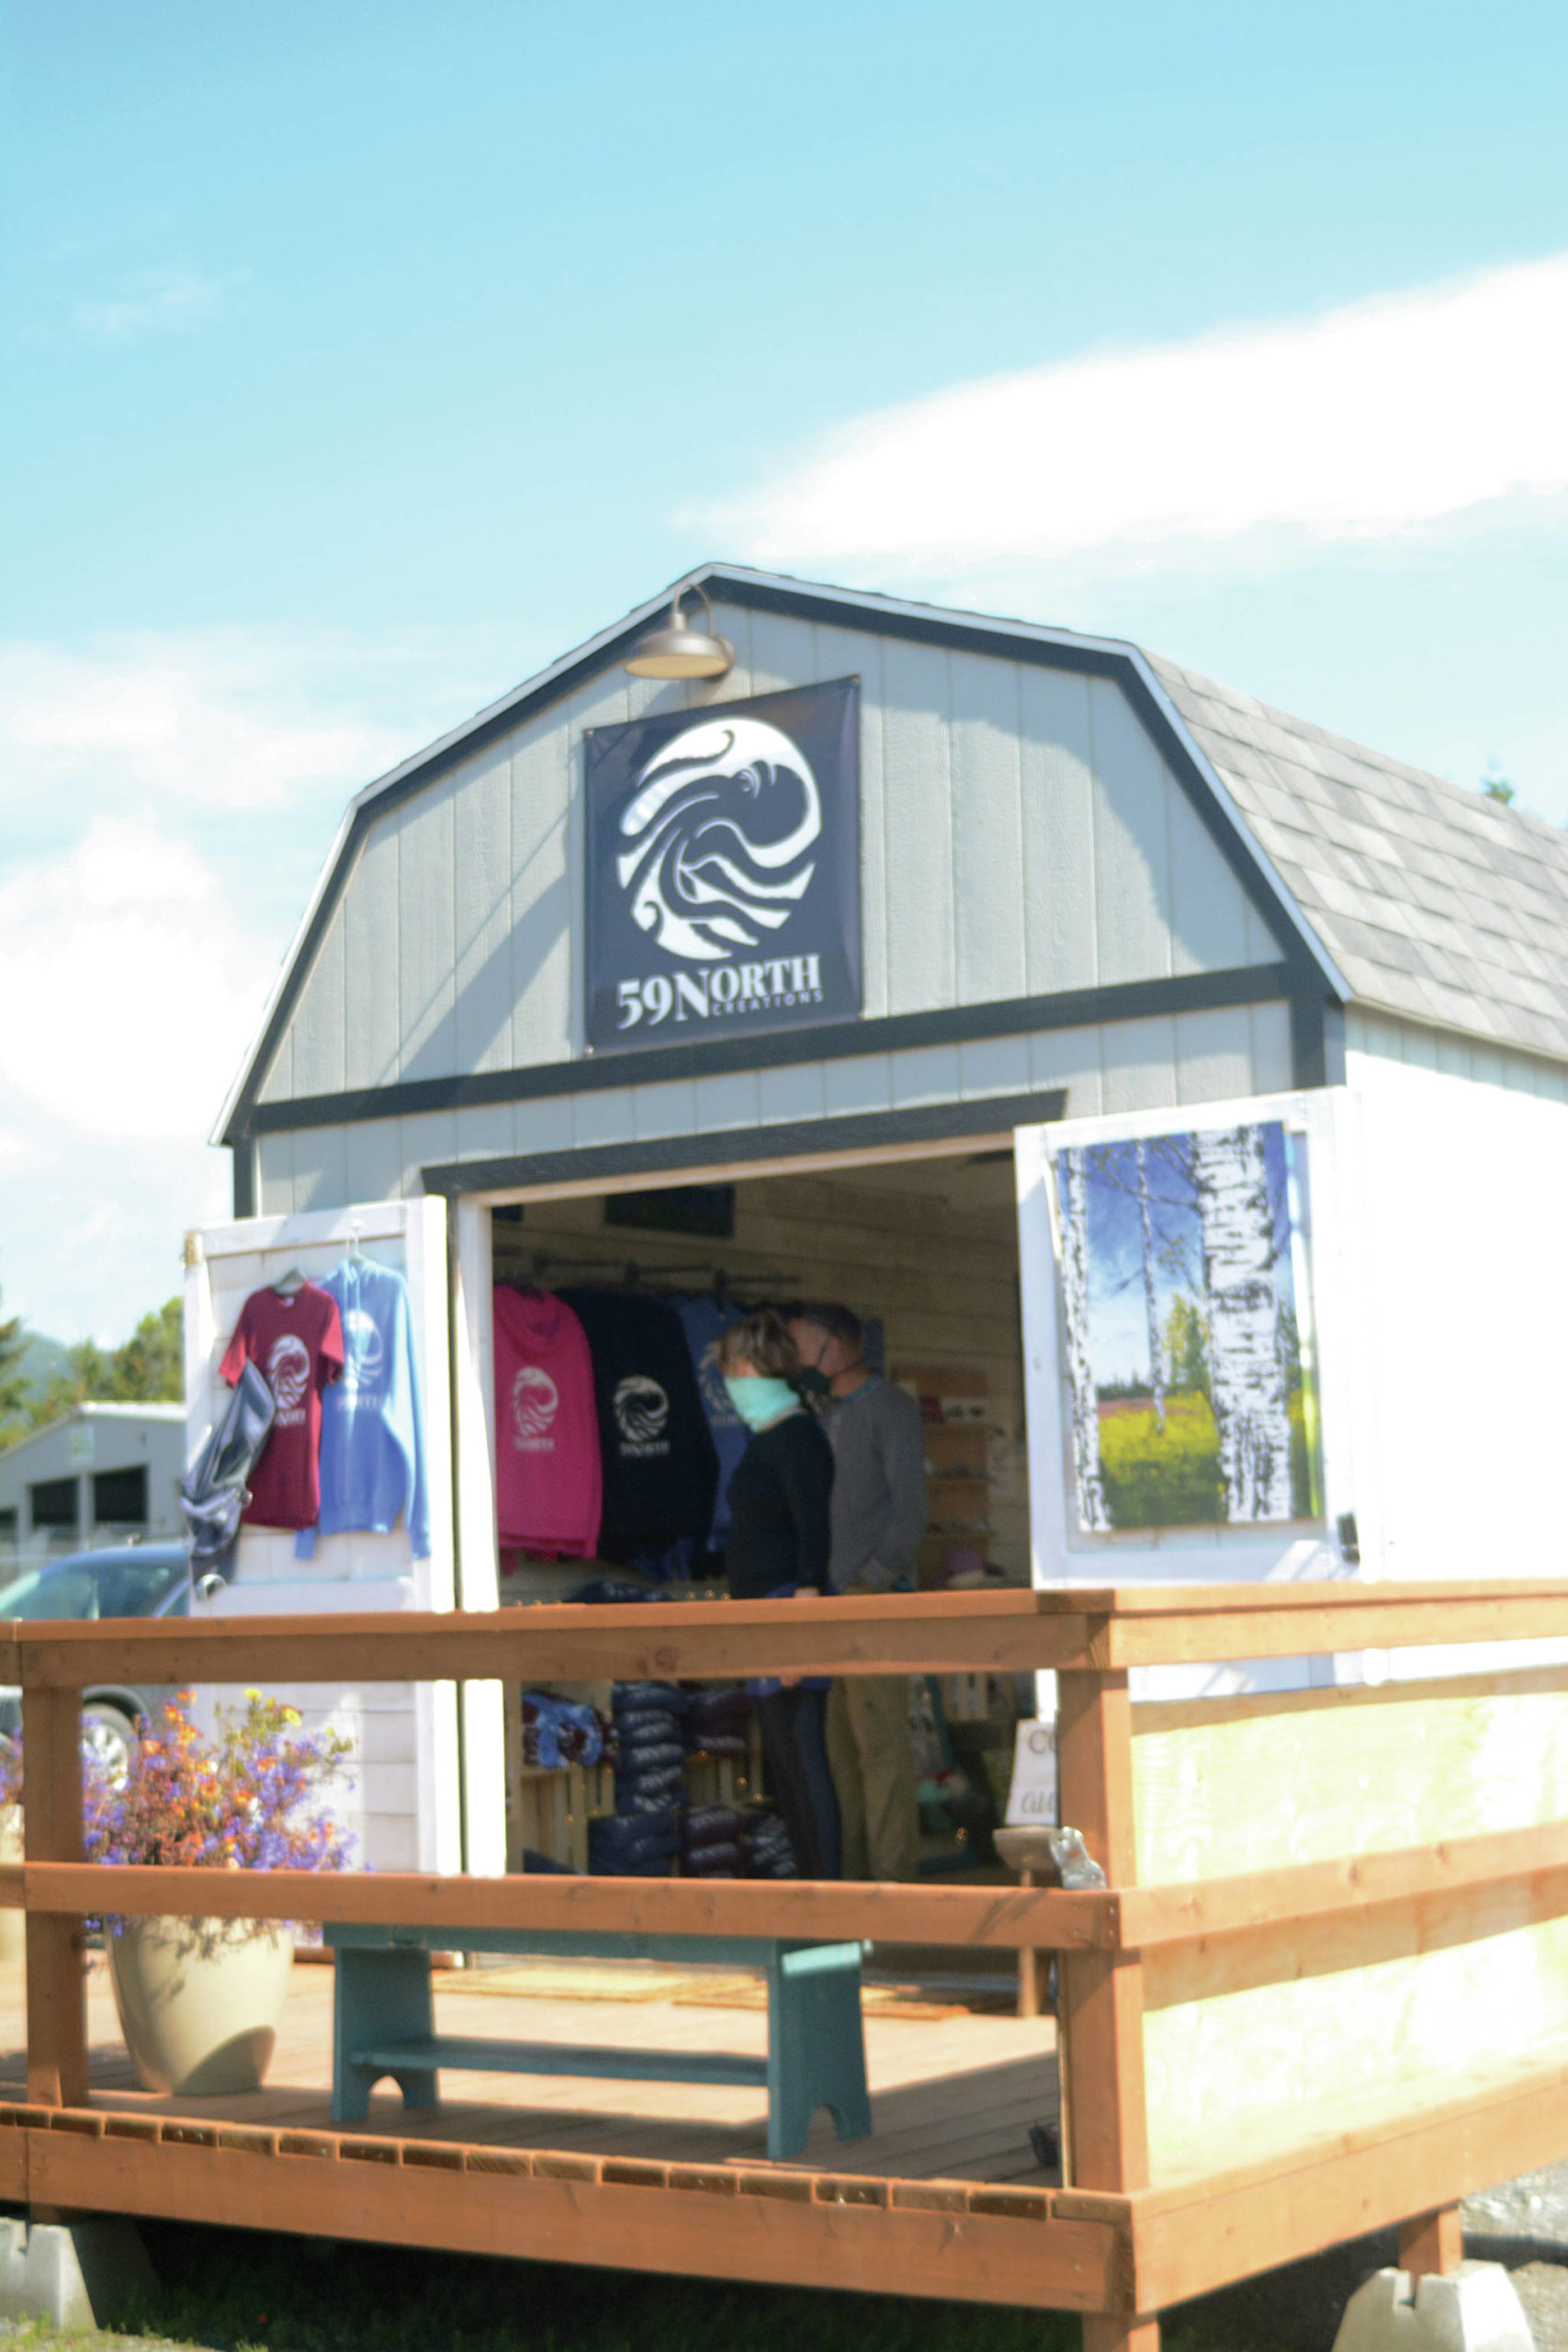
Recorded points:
(953, 2095)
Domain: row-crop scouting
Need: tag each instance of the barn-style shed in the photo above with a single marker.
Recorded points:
(1000, 926)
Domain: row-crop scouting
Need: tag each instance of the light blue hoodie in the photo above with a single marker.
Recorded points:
(372, 1439)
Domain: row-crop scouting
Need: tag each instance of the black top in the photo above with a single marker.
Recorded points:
(779, 1530)
(660, 1470)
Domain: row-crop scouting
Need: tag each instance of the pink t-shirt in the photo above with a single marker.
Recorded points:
(296, 1344)
(548, 1479)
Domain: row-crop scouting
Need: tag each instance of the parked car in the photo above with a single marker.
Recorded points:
(134, 1580)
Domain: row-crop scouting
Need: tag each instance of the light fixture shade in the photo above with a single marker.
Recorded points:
(679, 651)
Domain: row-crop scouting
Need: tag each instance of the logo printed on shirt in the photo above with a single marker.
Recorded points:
(535, 1400)
(642, 1410)
(363, 1349)
(288, 1376)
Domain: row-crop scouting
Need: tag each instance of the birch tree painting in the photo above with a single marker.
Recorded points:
(1184, 1363)
(1241, 1271)
(1073, 1209)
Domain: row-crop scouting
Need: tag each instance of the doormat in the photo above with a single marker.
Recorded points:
(553, 1980)
(561, 1981)
(912, 2001)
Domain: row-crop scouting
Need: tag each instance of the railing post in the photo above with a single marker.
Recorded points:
(52, 1829)
(1432, 2243)
(1105, 2143)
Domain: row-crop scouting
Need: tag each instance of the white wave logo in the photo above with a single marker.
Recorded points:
(363, 1346)
(699, 877)
(289, 1370)
(535, 1400)
(641, 1409)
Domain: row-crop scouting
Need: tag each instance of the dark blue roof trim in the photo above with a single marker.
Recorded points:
(1015, 1016)
(936, 1122)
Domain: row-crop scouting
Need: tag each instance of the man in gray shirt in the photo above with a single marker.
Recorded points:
(878, 1518)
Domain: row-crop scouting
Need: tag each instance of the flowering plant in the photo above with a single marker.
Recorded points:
(237, 1800)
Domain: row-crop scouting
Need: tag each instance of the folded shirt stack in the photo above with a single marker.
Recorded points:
(710, 1842)
(651, 1752)
(716, 1721)
(640, 1844)
(766, 1845)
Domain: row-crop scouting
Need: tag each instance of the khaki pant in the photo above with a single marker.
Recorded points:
(872, 1766)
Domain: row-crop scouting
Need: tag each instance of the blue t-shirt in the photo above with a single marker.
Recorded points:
(372, 1464)
(704, 1321)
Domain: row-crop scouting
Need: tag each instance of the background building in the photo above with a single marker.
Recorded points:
(104, 1474)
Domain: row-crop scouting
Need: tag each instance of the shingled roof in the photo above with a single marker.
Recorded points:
(1422, 900)
(1437, 903)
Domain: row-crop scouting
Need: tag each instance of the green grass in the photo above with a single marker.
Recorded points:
(1172, 1480)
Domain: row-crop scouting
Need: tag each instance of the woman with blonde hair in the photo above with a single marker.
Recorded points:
(779, 1542)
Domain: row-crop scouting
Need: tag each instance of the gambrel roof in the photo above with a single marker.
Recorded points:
(1438, 904)
(1388, 887)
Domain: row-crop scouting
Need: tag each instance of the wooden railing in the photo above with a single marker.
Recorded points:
(1176, 2237)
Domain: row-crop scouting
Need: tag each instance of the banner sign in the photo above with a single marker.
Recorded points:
(724, 869)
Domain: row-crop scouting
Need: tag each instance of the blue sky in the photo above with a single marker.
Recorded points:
(362, 359)
(1118, 1308)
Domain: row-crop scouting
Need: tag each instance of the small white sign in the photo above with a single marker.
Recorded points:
(1032, 1800)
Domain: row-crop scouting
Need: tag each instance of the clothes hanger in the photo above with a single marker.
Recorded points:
(290, 1284)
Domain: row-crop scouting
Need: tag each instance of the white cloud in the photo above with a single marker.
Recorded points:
(131, 982)
(215, 715)
(148, 301)
(70, 1269)
(165, 798)
(1383, 418)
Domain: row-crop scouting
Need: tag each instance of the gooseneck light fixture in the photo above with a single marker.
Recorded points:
(676, 650)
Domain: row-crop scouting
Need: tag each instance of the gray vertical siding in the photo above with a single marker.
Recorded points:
(1021, 834)
(1159, 1064)
(1372, 1040)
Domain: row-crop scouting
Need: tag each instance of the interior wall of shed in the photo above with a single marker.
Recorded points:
(929, 1247)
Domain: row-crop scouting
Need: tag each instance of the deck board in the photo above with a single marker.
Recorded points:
(952, 2098)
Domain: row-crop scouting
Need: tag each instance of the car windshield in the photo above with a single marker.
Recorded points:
(129, 1588)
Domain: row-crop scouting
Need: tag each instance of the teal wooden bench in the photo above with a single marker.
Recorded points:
(384, 2023)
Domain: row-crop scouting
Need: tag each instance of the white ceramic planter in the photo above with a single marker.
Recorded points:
(199, 2000)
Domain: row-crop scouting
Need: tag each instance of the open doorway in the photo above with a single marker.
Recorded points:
(924, 1251)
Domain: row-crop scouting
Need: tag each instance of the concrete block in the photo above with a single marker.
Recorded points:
(75, 2274)
(1474, 2308)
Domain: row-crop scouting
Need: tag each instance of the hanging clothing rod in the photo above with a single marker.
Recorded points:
(686, 1274)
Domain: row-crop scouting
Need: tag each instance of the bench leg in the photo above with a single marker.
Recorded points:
(816, 2046)
(378, 1996)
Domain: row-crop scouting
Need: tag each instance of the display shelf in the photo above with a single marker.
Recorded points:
(957, 1459)
(549, 1806)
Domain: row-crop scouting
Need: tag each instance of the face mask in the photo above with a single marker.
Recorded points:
(814, 1381)
(760, 1401)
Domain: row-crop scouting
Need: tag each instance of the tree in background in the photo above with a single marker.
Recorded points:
(147, 1369)
(14, 1381)
(150, 1368)
(1495, 784)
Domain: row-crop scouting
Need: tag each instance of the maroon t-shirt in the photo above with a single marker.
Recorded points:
(296, 1344)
